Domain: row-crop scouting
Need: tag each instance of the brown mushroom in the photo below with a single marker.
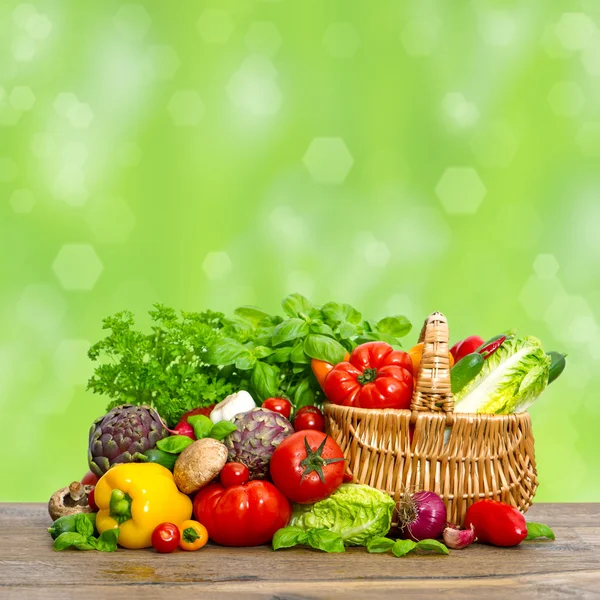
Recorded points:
(199, 464)
(70, 500)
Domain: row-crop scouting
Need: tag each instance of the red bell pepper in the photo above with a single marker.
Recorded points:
(466, 346)
(496, 523)
(376, 376)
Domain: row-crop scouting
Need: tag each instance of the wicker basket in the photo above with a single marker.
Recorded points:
(484, 456)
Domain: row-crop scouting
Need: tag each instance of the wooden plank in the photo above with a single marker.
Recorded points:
(29, 568)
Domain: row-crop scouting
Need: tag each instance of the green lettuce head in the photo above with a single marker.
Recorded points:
(511, 379)
(355, 512)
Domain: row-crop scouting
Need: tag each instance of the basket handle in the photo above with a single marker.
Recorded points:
(433, 391)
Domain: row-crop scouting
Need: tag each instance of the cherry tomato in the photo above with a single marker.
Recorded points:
(193, 535)
(91, 501)
(309, 420)
(89, 478)
(234, 473)
(309, 409)
(279, 405)
(308, 466)
(165, 537)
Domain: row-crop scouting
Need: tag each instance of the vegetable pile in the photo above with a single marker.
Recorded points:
(214, 431)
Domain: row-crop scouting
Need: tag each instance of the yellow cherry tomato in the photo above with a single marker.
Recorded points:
(193, 535)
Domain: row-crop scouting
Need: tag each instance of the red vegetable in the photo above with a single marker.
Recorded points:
(421, 516)
(184, 428)
(309, 417)
(490, 347)
(375, 377)
(242, 515)
(496, 523)
(166, 537)
(234, 473)
(91, 500)
(456, 538)
(307, 466)
(279, 405)
(203, 410)
(466, 346)
(90, 478)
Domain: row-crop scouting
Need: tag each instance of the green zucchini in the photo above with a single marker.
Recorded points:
(66, 524)
(557, 366)
(465, 370)
(162, 458)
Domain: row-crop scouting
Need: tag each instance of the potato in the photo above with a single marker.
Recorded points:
(199, 464)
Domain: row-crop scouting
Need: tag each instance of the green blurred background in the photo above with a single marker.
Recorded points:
(403, 156)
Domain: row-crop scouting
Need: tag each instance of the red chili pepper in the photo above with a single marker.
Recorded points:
(496, 523)
(491, 346)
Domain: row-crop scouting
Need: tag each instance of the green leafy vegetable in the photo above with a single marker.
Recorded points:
(379, 544)
(538, 530)
(403, 547)
(325, 348)
(202, 426)
(222, 429)
(510, 381)
(320, 539)
(107, 542)
(174, 444)
(355, 512)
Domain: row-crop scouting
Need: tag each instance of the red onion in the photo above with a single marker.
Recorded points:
(421, 516)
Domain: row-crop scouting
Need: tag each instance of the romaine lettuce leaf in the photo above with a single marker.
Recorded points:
(511, 379)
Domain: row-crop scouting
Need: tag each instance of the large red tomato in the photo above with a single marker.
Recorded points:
(307, 466)
(377, 376)
(242, 515)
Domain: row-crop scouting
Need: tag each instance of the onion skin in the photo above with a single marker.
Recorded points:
(422, 516)
(456, 538)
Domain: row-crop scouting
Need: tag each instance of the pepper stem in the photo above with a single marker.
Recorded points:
(120, 506)
(367, 376)
(314, 460)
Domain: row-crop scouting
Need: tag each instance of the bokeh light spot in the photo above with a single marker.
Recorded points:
(77, 267)
(264, 38)
(328, 160)
(459, 111)
(545, 266)
(420, 36)
(163, 61)
(575, 31)
(217, 265)
(22, 98)
(566, 99)
(460, 190)
(41, 307)
(186, 108)
(22, 201)
(588, 139)
(132, 22)
(215, 26)
(341, 40)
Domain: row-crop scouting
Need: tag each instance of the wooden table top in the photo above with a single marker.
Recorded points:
(566, 567)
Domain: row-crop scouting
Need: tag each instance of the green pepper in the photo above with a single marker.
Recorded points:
(162, 458)
(66, 524)
(465, 370)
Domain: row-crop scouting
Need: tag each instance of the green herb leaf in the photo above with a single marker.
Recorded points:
(222, 429)
(304, 394)
(68, 539)
(282, 354)
(202, 426)
(225, 352)
(538, 530)
(432, 546)
(265, 381)
(336, 313)
(107, 542)
(325, 540)
(296, 305)
(246, 361)
(347, 330)
(387, 338)
(321, 328)
(298, 356)
(395, 326)
(402, 547)
(174, 444)
(379, 544)
(262, 351)
(324, 348)
(286, 537)
(252, 314)
(83, 525)
(289, 330)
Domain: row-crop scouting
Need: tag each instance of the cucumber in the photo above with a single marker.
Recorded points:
(557, 366)
(162, 458)
(66, 524)
(465, 370)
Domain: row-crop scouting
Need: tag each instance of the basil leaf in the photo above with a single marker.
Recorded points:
(296, 305)
(396, 326)
(251, 314)
(222, 429)
(67, 539)
(387, 338)
(107, 542)
(379, 544)
(202, 426)
(282, 354)
(286, 537)
(83, 525)
(224, 352)
(298, 356)
(175, 444)
(324, 348)
(262, 352)
(265, 381)
(88, 543)
(325, 540)
(321, 328)
(538, 530)
(304, 394)
(402, 547)
(289, 330)
(347, 330)
(432, 546)
(246, 361)
(340, 313)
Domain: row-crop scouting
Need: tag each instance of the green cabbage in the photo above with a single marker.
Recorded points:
(511, 379)
(356, 512)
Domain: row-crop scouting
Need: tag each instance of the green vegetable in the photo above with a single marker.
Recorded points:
(193, 359)
(355, 512)
(202, 426)
(82, 536)
(320, 539)
(66, 524)
(557, 366)
(538, 530)
(403, 547)
(465, 370)
(511, 379)
(222, 429)
(166, 459)
(174, 444)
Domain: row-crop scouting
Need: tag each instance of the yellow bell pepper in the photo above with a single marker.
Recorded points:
(136, 497)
